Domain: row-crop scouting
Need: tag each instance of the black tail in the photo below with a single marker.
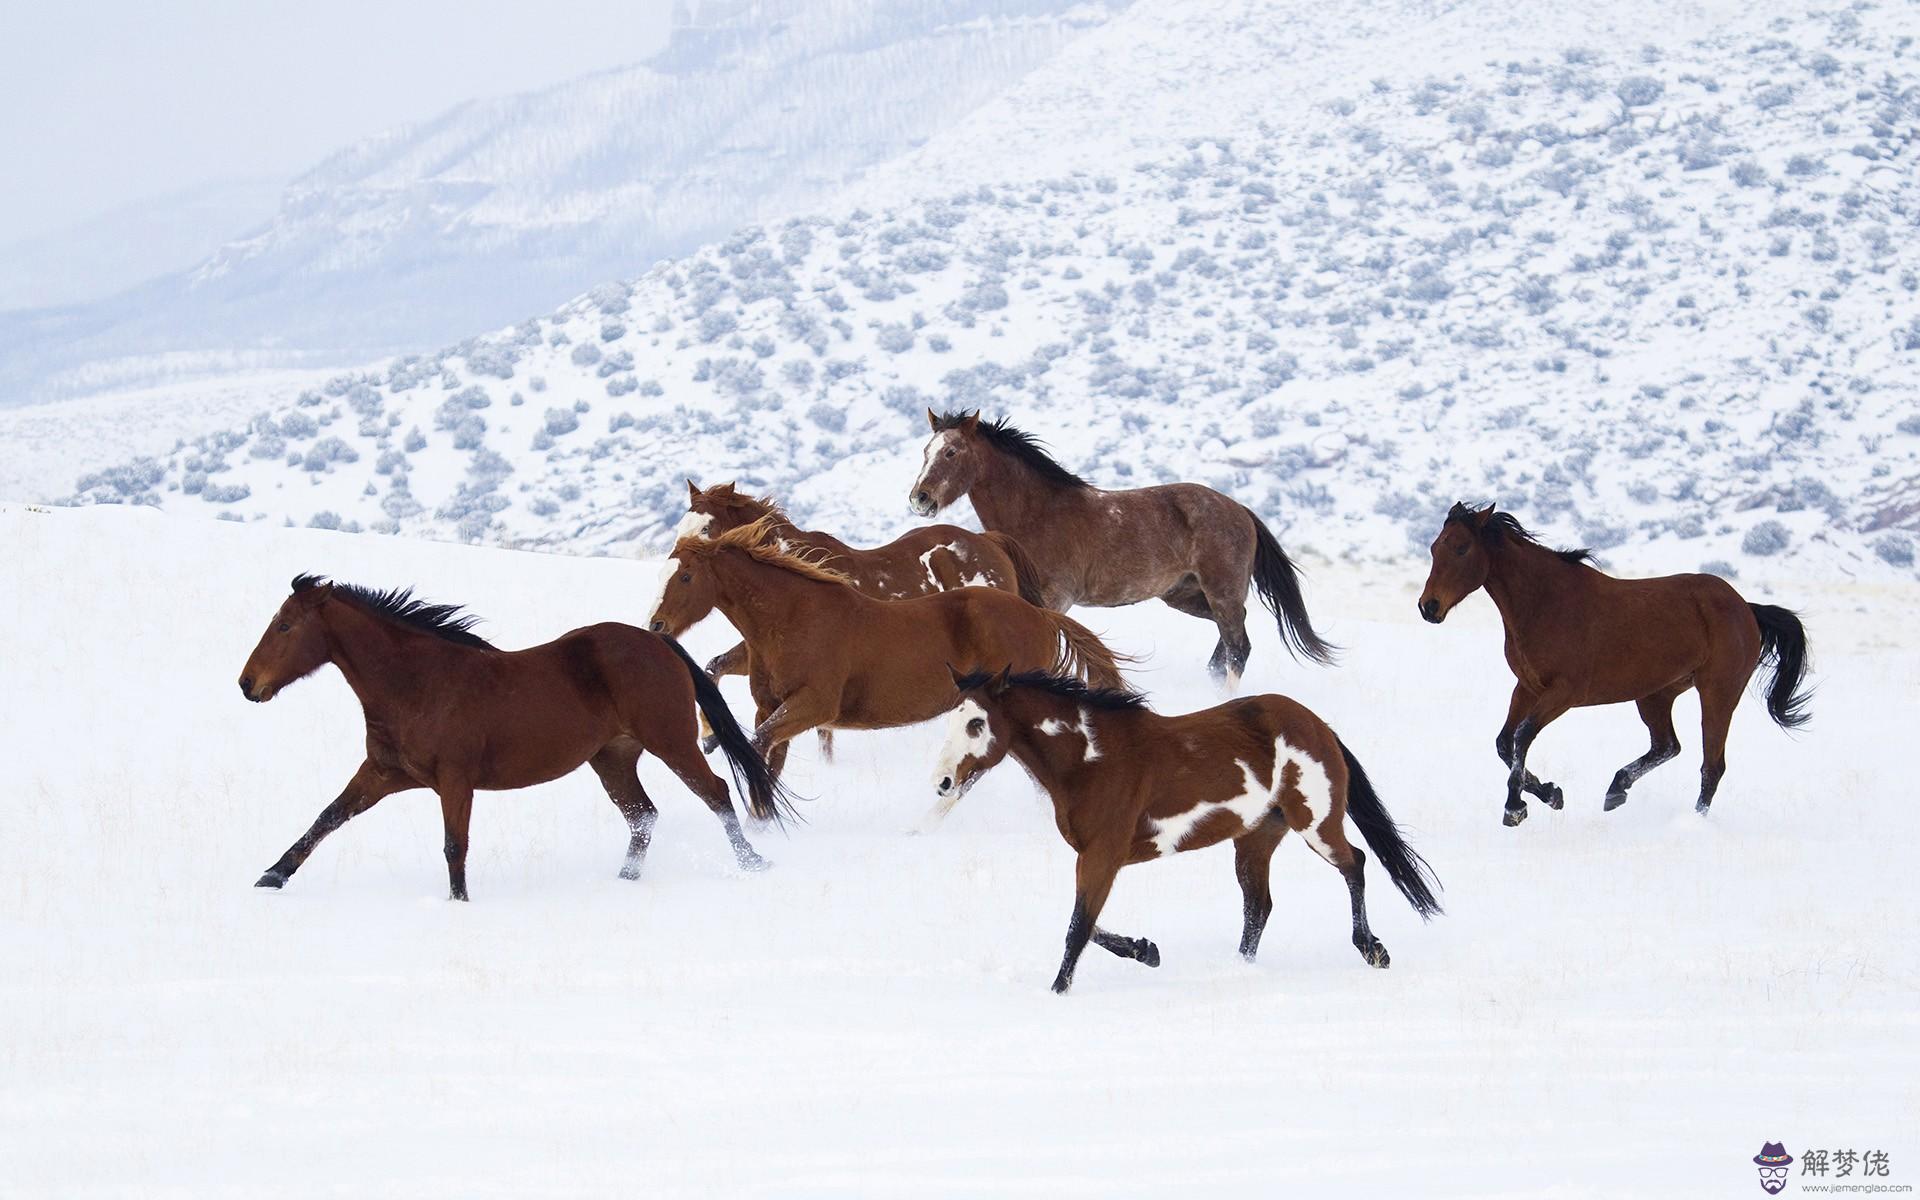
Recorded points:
(1783, 646)
(1409, 872)
(767, 798)
(1279, 584)
(1026, 573)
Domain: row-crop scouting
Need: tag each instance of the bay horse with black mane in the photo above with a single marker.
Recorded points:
(1129, 785)
(447, 710)
(1181, 543)
(1576, 637)
(823, 653)
(932, 558)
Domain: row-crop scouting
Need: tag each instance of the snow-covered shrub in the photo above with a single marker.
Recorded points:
(894, 338)
(1765, 539)
(797, 372)
(585, 354)
(828, 417)
(561, 421)
(612, 331)
(1637, 90)
(324, 519)
(232, 493)
(327, 451)
(298, 425)
(416, 440)
(1895, 549)
(715, 324)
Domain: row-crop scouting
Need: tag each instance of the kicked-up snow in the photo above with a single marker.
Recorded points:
(1613, 1002)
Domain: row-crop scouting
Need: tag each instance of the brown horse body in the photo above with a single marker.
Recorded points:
(826, 655)
(1181, 543)
(446, 710)
(1576, 637)
(1129, 785)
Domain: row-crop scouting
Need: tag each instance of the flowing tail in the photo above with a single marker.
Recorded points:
(1026, 572)
(1409, 872)
(1783, 646)
(767, 798)
(1084, 655)
(1279, 584)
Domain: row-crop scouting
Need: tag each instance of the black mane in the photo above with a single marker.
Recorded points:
(1501, 524)
(1017, 443)
(1064, 686)
(444, 621)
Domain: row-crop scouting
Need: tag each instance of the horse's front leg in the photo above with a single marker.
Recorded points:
(1093, 880)
(1523, 702)
(1545, 709)
(456, 811)
(369, 785)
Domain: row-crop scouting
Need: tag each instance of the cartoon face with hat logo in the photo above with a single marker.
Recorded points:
(1773, 1161)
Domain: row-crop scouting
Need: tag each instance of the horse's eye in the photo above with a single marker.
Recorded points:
(283, 627)
(976, 727)
(1460, 551)
(950, 452)
(686, 577)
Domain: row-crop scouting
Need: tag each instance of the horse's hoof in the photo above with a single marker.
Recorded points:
(1146, 952)
(753, 862)
(1702, 807)
(1553, 797)
(709, 744)
(272, 879)
(1060, 985)
(1514, 816)
(1376, 956)
(630, 871)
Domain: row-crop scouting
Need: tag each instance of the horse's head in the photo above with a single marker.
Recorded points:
(977, 735)
(294, 645)
(689, 592)
(951, 464)
(713, 511)
(1459, 561)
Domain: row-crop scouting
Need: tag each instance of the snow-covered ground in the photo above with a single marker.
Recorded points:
(1614, 1002)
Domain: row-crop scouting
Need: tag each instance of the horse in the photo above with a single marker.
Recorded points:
(825, 654)
(1577, 637)
(447, 710)
(1129, 785)
(933, 558)
(1186, 545)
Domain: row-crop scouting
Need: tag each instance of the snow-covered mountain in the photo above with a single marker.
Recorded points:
(1658, 294)
(507, 206)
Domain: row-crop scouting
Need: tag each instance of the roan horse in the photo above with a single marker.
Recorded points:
(1180, 542)
(825, 654)
(933, 558)
(1129, 785)
(448, 711)
(1577, 637)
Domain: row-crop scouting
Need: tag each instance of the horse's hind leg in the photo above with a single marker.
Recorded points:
(685, 761)
(1657, 711)
(1252, 864)
(1189, 599)
(1329, 841)
(1717, 702)
(456, 811)
(617, 766)
(368, 787)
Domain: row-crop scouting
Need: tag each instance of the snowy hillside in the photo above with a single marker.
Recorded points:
(506, 206)
(1638, 996)
(1659, 300)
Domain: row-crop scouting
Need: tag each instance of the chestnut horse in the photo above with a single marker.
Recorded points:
(448, 711)
(1129, 785)
(933, 558)
(1182, 543)
(825, 654)
(1577, 637)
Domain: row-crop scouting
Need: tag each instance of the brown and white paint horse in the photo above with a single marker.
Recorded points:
(825, 654)
(1181, 543)
(1577, 637)
(1129, 785)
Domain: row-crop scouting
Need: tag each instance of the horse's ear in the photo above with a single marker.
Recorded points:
(971, 421)
(933, 420)
(958, 675)
(693, 490)
(1480, 516)
(1001, 682)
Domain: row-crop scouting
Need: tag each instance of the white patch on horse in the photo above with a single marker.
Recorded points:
(673, 567)
(1257, 799)
(926, 564)
(694, 524)
(1054, 727)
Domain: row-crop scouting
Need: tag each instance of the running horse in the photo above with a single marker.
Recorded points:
(1576, 637)
(1129, 785)
(932, 558)
(447, 710)
(825, 654)
(1187, 545)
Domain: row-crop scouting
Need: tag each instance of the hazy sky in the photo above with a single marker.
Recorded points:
(104, 102)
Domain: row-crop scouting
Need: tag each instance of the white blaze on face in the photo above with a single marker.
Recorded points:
(961, 744)
(674, 567)
(694, 524)
(1256, 799)
(935, 445)
(1053, 727)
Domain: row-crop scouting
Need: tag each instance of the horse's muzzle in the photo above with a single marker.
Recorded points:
(658, 627)
(246, 689)
(922, 504)
(945, 785)
(1430, 610)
